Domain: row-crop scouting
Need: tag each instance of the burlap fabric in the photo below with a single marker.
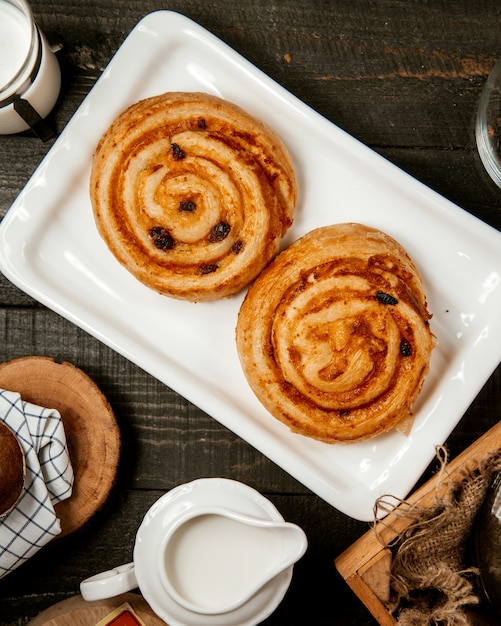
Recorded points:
(432, 581)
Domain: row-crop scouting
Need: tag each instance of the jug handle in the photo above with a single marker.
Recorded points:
(108, 584)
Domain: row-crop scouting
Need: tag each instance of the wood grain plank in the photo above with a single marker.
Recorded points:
(389, 72)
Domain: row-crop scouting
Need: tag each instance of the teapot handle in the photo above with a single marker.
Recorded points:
(110, 583)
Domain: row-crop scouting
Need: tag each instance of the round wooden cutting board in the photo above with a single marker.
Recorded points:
(92, 434)
(77, 612)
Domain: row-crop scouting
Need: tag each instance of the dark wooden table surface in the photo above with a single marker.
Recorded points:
(404, 77)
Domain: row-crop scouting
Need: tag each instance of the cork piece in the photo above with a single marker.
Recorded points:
(376, 575)
(91, 430)
(77, 612)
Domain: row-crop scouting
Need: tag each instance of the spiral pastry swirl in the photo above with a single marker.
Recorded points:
(334, 337)
(192, 194)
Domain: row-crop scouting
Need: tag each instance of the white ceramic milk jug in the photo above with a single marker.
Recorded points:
(211, 552)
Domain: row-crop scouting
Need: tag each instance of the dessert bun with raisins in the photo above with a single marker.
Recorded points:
(192, 194)
(334, 335)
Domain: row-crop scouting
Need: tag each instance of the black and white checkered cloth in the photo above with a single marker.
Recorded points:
(49, 480)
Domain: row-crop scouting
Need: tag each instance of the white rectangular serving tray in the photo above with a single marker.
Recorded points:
(50, 248)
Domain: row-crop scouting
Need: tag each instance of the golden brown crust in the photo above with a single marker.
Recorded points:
(192, 194)
(333, 336)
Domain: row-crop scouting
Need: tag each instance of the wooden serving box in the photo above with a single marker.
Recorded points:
(366, 564)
